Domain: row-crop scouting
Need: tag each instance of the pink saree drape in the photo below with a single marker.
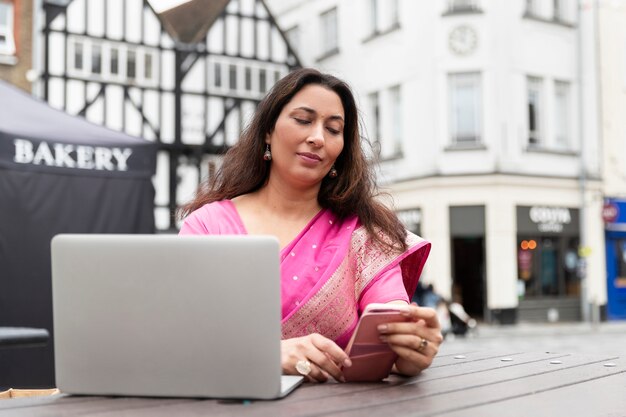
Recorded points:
(326, 270)
(349, 264)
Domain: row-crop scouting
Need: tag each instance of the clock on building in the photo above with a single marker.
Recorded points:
(463, 40)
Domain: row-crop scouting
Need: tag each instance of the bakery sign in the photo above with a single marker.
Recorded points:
(71, 156)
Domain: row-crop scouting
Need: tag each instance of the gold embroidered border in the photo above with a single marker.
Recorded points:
(329, 312)
(371, 259)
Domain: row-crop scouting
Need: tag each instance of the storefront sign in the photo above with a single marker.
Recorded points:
(614, 214)
(547, 220)
(71, 156)
(610, 212)
(550, 219)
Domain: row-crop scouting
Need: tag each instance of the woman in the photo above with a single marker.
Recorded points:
(299, 173)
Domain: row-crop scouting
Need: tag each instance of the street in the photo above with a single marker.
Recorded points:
(606, 337)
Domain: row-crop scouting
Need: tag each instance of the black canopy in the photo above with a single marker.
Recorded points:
(58, 174)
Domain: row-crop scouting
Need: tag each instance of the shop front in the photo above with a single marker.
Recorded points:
(548, 264)
(614, 215)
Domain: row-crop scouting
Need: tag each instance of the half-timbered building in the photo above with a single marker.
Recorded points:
(187, 76)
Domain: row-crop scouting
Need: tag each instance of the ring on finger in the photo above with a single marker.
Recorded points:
(303, 367)
(422, 345)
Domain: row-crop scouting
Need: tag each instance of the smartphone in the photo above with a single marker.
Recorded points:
(371, 358)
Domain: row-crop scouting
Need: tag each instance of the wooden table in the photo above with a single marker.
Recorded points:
(459, 384)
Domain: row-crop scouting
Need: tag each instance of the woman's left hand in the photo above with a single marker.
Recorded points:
(416, 341)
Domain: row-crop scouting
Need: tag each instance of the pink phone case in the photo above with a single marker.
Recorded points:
(371, 358)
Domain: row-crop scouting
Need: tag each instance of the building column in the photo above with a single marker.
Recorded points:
(501, 260)
(436, 229)
(596, 260)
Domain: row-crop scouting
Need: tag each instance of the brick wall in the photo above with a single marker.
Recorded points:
(15, 72)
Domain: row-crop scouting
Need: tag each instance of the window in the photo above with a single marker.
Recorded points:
(462, 5)
(217, 76)
(106, 60)
(383, 17)
(96, 59)
(465, 108)
(147, 66)
(293, 37)
(373, 23)
(248, 78)
(395, 99)
(374, 117)
(563, 11)
(562, 114)
(232, 76)
(78, 55)
(115, 61)
(7, 41)
(557, 10)
(131, 64)
(531, 8)
(535, 110)
(394, 12)
(547, 265)
(330, 43)
(262, 81)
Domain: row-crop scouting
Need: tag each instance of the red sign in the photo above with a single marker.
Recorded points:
(610, 212)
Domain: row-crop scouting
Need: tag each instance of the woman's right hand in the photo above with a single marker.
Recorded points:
(325, 357)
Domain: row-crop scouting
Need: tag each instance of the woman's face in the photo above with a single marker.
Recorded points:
(307, 137)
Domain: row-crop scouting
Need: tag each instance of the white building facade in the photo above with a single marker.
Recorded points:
(484, 118)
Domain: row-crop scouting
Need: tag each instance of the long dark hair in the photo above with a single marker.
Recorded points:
(352, 192)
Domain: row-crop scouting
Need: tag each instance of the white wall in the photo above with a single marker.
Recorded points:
(612, 33)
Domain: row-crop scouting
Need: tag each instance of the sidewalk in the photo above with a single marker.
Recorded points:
(606, 337)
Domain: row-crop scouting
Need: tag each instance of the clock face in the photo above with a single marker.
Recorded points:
(463, 40)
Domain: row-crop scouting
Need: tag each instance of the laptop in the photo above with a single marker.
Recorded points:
(168, 316)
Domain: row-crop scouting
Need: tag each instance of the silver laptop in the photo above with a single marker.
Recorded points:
(168, 316)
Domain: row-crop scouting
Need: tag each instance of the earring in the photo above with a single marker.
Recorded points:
(333, 172)
(267, 156)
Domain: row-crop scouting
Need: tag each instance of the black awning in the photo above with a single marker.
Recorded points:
(36, 137)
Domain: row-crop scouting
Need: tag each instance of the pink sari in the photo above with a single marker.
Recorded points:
(327, 270)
